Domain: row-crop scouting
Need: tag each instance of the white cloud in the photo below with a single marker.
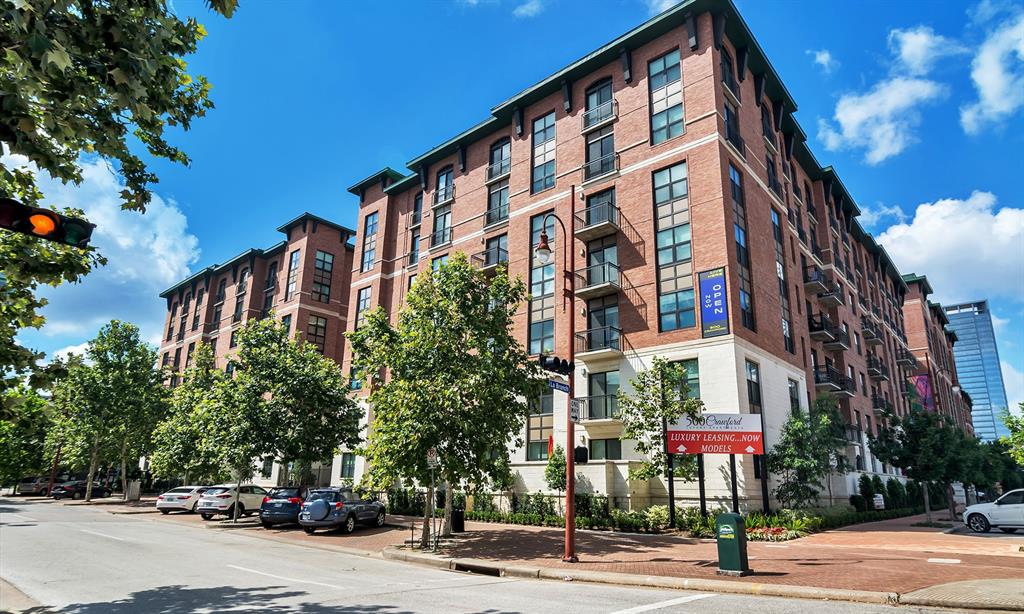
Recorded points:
(530, 8)
(824, 59)
(998, 324)
(1013, 381)
(870, 216)
(917, 49)
(969, 248)
(882, 120)
(998, 74)
(146, 253)
(660, 6)
(78, 350)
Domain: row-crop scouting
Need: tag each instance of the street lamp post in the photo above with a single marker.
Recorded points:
(545, 256)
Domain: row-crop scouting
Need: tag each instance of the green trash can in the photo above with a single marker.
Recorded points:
(731, 535)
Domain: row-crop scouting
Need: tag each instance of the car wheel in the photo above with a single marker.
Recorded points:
(349, 525)
(978, 523)
(206, 516)
(75, 496)
(380, 519)
(1008, 529)
(267, 525)
(165, 512)
(241, 510)
(43, 492)
(194, 505)
(309, 530)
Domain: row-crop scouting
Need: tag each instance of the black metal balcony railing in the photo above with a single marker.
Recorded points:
(813, 275)
(497, 214)
(828, 377)
(876, 368)
(820, 327)
(417, 217)
(730, 82)
(906, 358)
(841, 340)
(492, 256)
(499, 169)
(801, 235)
(871, 332)
(601, 166)
(598, 274)
(811, 209)
(880, 403)
(599, 114)
(774, 184)
(732, 134)
(440, 236)
(444, 193)
(833, 222)
(596, 339)
(600, 407)
(853, 434)
(834, 295)
(597, 214)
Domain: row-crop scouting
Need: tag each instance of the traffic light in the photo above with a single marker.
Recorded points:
(44, 223)
(555, 364)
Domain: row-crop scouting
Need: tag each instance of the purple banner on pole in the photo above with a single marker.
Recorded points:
(714, 305)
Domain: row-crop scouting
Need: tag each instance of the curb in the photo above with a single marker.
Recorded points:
(954, 604)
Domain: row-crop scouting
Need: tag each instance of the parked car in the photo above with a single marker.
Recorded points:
(220, 499)
(76, 490)
(1005, 513)
(282, 505)
(33, 485)
(182, 498)
(331, 508)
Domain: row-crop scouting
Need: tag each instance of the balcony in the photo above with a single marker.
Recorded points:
(832, 296)
(802, 235)
(596, 221)
(598, 280)
(496, 215)
(442, 236)
(906, 358)
(853, 435)
(597, 343)
(820, 328)
(499, 170)
(605, 165)
(811, 209)
(489, 259)
(732, 135)
(880, 404)
(599, 407)
(444, 195)
(872, 334)
(599, 116)
(815, 280)
(877, 369)
(841, 341)
(827, 378)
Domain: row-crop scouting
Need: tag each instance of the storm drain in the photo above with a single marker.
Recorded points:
(484, 570)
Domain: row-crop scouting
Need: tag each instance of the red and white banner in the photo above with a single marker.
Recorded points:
(717, 434)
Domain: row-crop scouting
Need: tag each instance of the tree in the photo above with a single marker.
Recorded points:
(554, 472)
(306, 397)
(79, 78)
(797, 462)
(1015, 441)
(919, 443)
(448, 375)
(829, 432)
(24, 421)
(660, 397)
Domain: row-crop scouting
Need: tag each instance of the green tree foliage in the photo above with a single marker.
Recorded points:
(111, 403)
(24, 420)
(449, 374)
(660, 394)
(810, 449)
(1015, 441)
(554, 472)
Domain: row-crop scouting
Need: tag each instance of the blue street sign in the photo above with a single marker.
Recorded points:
(557, 385)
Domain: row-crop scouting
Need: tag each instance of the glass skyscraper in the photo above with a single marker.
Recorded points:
(977, 367)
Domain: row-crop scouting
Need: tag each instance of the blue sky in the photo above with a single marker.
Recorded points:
(920, 107)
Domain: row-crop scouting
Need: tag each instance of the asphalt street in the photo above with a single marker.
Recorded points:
(84, 560)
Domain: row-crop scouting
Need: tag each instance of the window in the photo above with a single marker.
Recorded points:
(417, 209)
(602, 262)
(773, 178)
(213, 345)
(766, 124)
(445, 186)
(239, 305)
(362, 305)
(600, 153)
(542, 291)
(170, 321)
(496, 250)
(437, 263)
(442, 226)
(605, 449)
(199, 312)
(732, 127)
(354, 383)
(780, 273)
(230, 368)
(500, 159)
(293, 276)
(268, 467)
(497, 202)
(739, 210)
(271, 284)
(243, 282)
(794, 395)
(166, 359)
(543, 153)
(603, 400)
(233, 341)
(729, 74)
(600, 106)
(754, 387)
(540, 427)
(369, 241)
(692, 367)
(286, 322)
(188, 355)
(412, 280)
(603, 324)
(414, 247)
(268, 304)
(316, 332)
(348, 466)
(666, 89)
(601, 208)
(322, 268)
(675, 269)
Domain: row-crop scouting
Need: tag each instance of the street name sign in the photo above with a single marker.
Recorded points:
(717, 434)
(557, 385)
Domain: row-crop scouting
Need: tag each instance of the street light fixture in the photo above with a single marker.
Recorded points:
(542, 251)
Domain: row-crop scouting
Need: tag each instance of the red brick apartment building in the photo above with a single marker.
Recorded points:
(670, 152)
(304, 281)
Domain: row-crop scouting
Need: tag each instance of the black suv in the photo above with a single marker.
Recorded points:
(331, 508)
(76, 490)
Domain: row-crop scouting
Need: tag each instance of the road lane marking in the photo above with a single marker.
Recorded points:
(120, 539)
(21, 516)
(664, 604)
(287, 579)
(945, 561)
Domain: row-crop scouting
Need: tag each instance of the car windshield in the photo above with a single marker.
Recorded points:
(322, 495)
(216, 490)
(285, 493)
(179, 491)
(32, 479)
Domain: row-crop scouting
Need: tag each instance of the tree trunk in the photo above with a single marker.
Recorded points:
(428, 516)
(238, 494)
(951, 501)
(124, 472)
(94, 461)
(927, 504)
(282, 477)
(449, 501)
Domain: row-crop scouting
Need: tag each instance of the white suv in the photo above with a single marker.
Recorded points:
(220, 499)
(1006, 514)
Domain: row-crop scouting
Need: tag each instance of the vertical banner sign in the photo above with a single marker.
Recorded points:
(714, 306)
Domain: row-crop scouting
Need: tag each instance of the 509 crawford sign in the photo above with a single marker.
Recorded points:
(717, 434)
